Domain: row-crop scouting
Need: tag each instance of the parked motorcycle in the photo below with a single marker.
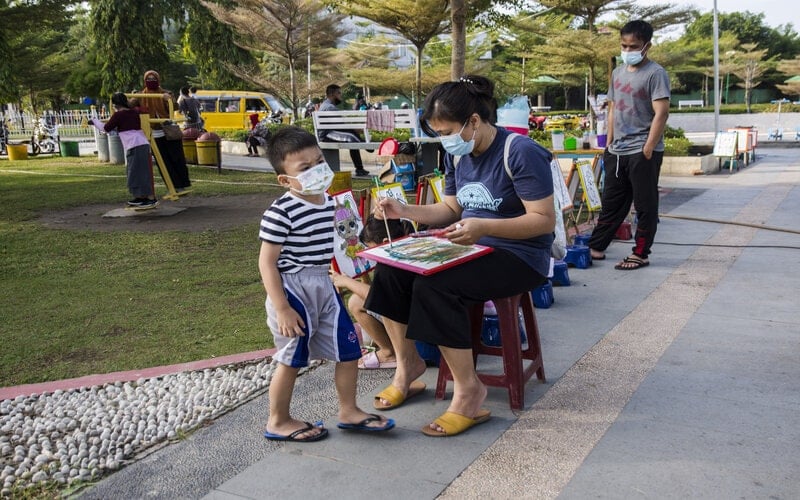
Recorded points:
(45, 137)
(4, 132)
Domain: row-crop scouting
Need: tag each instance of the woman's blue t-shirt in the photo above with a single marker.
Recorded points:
(484, 189)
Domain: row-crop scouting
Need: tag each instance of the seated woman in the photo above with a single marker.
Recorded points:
(511, 211)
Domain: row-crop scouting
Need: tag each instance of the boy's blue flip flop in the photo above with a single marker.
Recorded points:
(293, 436)
(364, 426)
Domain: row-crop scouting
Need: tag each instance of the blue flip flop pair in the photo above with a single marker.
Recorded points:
(364, 426)
(293, 436)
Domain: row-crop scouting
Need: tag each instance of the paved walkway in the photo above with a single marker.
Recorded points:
(678, 380)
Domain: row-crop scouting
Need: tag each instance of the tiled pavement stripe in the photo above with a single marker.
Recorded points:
(541, 452)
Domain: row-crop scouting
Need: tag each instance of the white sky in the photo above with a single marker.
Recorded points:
(776, 12)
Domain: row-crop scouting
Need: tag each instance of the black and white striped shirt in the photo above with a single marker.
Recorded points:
(304, 229)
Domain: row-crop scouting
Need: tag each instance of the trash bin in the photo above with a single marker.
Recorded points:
(102, 147)
(69, 148)
(190, 135)
(208, 149)
(116, 154)
(17, 151)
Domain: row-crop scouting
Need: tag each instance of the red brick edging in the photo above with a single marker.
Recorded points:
(105, 378)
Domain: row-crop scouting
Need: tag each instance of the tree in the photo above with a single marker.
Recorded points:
(588, 12)
(791, 68)
(418, 21)
(206, 41)
(749, 66)
(33, 36)
(486, 13)
(128, 35)
(747, 28)
(282, 31)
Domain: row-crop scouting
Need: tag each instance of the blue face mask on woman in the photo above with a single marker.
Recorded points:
(456, 145)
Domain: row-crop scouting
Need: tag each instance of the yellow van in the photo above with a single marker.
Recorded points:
(231, 109)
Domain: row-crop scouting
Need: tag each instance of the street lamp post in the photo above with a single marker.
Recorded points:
(716, 70)
(779, 102)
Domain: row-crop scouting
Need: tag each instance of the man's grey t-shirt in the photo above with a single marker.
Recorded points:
(326, 105)
(633, 93)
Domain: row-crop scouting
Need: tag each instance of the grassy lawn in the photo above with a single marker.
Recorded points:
(77, 302)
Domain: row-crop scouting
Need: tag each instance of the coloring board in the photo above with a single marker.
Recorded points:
(424, 255)
(346, 244)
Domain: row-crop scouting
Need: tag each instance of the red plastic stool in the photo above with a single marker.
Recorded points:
(515, 374)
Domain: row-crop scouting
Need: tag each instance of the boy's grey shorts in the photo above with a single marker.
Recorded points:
(329, 331)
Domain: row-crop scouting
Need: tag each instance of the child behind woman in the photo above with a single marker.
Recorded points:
(373, 234)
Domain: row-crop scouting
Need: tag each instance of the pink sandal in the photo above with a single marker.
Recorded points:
(370, 361)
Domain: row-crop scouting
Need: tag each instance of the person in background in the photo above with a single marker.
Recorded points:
(190, 107)
(137, 150)
(373, 234)
(304, 311)
(259, 134)
(171, 151)
(508, 208)
(638, 108)
(361, 103)
(333, 98)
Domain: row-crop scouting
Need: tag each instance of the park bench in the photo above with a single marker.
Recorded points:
(690, 103)
(356, 120)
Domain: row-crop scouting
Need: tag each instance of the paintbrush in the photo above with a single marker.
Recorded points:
(386, 222)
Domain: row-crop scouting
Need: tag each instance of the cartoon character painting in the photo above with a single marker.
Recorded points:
(348, 226)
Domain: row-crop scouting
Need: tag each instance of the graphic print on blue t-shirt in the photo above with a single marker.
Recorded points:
(476, 196)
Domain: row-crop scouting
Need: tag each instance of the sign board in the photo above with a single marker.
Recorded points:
(725, 144)
(560, 190)
(590, 192)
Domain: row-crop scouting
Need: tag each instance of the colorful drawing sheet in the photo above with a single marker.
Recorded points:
(346, 244)
(590, 192)
(394, 190)
(424, 255)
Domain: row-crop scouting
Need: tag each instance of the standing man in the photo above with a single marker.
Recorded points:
(333, 98)
(638, 100)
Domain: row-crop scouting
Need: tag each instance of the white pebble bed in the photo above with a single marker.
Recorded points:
(82, 434)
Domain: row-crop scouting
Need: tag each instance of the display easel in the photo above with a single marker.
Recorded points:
(146, 121)
(585, 164)
(725, 146)
(594, 156)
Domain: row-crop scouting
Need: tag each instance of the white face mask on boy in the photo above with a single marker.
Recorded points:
(315, 180)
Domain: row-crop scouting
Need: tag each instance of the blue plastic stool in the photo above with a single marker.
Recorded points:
(543, 296)
(560, 274)
(578, 256)
(582, 239)
(429, 352)
(490, 335)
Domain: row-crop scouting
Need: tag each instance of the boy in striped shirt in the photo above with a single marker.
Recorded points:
(304, 312)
